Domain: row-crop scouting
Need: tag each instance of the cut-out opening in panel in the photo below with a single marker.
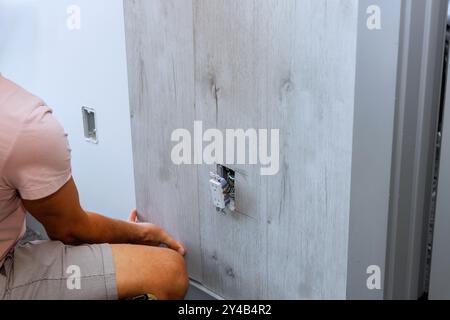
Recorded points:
(89, 124)
(230, 176)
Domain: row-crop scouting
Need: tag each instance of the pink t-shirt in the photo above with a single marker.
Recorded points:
(34, 158)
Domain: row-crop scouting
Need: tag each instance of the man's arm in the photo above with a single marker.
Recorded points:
(65, 220)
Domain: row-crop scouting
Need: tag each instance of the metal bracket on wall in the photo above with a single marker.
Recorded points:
(90, 125)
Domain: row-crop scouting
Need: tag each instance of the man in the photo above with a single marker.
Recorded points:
(113, 259)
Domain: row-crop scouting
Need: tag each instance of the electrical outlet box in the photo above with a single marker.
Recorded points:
(217, 185)
(90, 126)
(222, 186)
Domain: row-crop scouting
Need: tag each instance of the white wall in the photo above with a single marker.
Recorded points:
(71, 69)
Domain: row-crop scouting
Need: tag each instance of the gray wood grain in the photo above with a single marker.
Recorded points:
(233, 246)
(272, 64)
(161, 78)
(312, 57)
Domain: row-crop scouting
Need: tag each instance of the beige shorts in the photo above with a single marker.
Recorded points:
(50, 270)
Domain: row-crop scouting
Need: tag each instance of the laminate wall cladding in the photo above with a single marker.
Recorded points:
(240, 64)
(160, 52)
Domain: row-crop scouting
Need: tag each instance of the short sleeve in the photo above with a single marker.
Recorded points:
(39, 162)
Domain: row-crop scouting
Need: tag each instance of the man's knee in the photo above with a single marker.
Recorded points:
(178, 284)
(150, 270)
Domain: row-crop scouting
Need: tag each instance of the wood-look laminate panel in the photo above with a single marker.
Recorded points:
(160, 56)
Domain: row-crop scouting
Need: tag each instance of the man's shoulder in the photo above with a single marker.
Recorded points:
(15, 101)
(16, 105)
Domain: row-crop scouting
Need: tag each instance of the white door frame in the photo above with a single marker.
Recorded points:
(398, 88)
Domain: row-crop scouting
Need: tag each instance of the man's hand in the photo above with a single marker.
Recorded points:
(156, 236)
(65, 220)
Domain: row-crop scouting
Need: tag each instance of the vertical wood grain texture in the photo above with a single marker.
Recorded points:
(271, 64)
(309, 203)
(234, 246)
(160, 53)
